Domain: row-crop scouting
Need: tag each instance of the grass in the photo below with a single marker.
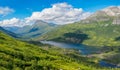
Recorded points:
(18, 55)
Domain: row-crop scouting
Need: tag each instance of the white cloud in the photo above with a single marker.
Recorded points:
(60, 13)
(12, 22)
(5, 11)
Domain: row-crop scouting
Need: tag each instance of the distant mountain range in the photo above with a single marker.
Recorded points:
(31, 31)
(109, 15)
(9, 32)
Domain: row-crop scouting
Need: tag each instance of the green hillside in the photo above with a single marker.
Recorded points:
(17, 55)
(101, 29)
(102, 33)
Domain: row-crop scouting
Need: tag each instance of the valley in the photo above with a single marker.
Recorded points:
(92, 43)
(14, 55)
(32, 31)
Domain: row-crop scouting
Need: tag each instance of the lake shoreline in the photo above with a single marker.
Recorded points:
(85, 50)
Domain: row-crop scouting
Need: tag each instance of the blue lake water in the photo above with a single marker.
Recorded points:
(84, 50)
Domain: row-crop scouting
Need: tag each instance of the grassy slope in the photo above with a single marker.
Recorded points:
(17, 55)
(95, 34)
(102, 34)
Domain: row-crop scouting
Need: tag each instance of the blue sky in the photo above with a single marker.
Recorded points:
(24, 8)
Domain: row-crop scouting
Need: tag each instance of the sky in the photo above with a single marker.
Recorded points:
(22, 12)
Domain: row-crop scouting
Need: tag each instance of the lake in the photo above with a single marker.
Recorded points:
(84, 50)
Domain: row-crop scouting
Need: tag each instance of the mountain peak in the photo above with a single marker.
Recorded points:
(43, 23)
(112, 10)
(107, 14)
(40, 22)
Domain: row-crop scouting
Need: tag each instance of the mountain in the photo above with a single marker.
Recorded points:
(13, 28)
(112, 10)
(19, 55)
(9, 32)
(93, 34)
(32, 31)
(109, 13)
(100, 32)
